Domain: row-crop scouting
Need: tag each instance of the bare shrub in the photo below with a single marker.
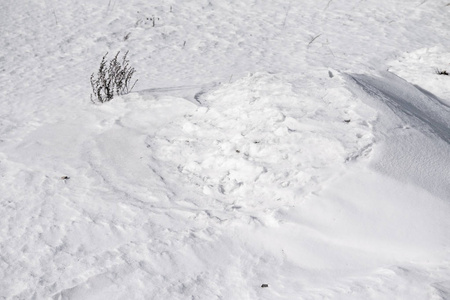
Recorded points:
(112, 79)
(441, 72)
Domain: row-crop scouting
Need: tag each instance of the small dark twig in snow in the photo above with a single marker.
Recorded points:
(287, 12)
(331, 51)
(109, 5)
(441, 72)
(327, 5)
(313, 39)
(56, 19)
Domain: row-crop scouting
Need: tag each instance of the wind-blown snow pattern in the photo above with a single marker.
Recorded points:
(270, 150)
(428, 117)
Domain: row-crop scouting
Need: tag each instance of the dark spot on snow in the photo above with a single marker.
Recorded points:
(199, 94)
(347, 120)
(237, 151)
(265, 285)
(330, 74)
(441, 72)
(65, 177)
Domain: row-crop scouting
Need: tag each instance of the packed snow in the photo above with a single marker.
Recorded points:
(269, 150)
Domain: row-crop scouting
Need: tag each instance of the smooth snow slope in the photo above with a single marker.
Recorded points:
(299, 144)
(414, 155)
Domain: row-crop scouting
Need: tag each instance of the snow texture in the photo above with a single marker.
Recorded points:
(270, 150)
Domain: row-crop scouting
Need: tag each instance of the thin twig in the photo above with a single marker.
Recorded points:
(133, 86)
(287, 12)
(56, 19)
(423, 2)
(313, 39)
(331, 51)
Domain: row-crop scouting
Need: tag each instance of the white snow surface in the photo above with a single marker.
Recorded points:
(304, 145)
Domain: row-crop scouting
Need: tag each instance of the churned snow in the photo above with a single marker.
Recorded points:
(270, 150)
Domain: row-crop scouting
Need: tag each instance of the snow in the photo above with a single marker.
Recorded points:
(303, 145)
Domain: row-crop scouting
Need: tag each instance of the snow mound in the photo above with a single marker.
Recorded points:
(419, 68)
(415, 128)
(261, 142)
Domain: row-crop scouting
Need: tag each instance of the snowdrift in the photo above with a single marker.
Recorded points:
(270, 150)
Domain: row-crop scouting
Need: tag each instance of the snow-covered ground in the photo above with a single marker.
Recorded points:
(304, 145)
